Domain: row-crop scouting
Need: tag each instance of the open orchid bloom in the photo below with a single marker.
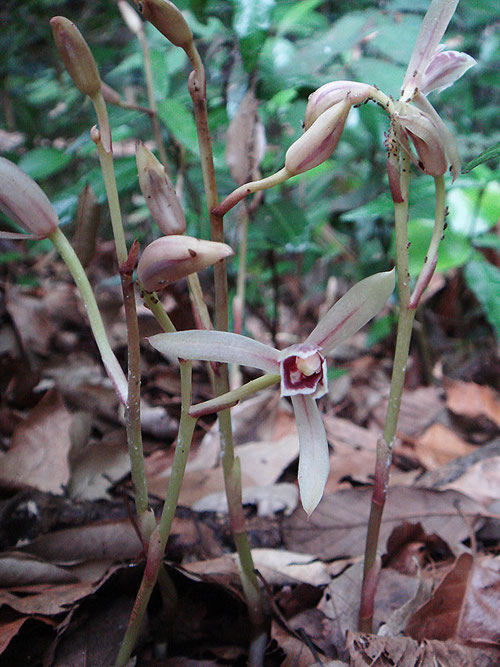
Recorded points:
(302, 368)
(432, 68)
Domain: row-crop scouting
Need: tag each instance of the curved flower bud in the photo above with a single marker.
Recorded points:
(159, 192)
(332, 93)
(425, 136)
(319, 141)
(25, 202)
(303, 371)
(444, 68)
(431, 31)
(167, 18)
(171, 258)
(76, 55)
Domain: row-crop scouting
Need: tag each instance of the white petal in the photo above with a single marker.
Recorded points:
(444, 68)
(314, 461)
(431, 31)
(352, 311)
(217, 346)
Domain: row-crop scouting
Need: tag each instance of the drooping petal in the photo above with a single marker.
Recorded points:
(425, 136)
(444, 68)
(352, 311)
(447, 137)
(431, 31)
(314, 461)
(217, 346)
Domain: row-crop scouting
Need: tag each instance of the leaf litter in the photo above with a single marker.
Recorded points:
(72, 557)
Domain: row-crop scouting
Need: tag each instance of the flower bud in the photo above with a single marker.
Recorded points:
(166, 18)
(425, 137)
(319, 141)
(25, 202)
(159, 192)
(332, 93)
(171, 258)
(131, 18)
(76, 55)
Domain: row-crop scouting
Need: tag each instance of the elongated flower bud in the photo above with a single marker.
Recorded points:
(76, 55)
(171, 258)
(319, 141)
(167, 18)
(332, 93)
(159, 192)
(25, 202)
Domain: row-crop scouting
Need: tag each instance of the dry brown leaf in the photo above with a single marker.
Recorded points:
(95, 541)
(337, 528)
(468, 399)
(268, 499)
(18, 569)
(404, 652)
(297, 652)
(419, 409)
(95, 466)
(439, 445)
(245, 141)
(410, 547)
(38, 456)
(33, 324)
(481, 481)
(464, 606)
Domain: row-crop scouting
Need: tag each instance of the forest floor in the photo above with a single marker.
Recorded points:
(71, 559)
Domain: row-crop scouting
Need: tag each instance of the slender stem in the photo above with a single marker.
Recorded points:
(152, 99)
(232, 397)
(386, 443)
(239, 299)
(126, 265)
(160, 536)
(232, 474)
(198, 301)
(113, 368)
(432, 253)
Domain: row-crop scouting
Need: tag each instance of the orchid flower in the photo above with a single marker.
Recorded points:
(302, 368)
(431, 68)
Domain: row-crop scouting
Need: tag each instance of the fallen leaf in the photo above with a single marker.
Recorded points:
(245, 141)
(481, 481)
(18, 569)
(464, 606)
(405, 652)
(468, 399)
(419, 409)
(38, 455)
(337, 528)
(269, 500)
(440, 445)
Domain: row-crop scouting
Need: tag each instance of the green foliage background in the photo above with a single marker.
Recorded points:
(338, 216)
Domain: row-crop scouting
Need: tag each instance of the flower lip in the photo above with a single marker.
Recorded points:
(303, 371)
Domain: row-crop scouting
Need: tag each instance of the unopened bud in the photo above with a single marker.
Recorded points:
(319, 141)
(425, 137)
(171, 258)
(167, 18)
(131, 18)
(159, 192)
(76, 55)
(22, 200)
(332, 93)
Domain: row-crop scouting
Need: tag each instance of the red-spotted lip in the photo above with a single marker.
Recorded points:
(294, 381)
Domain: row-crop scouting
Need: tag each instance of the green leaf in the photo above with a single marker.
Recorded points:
(44, 162)
(180, 122)
(454, 250)
(491, 153)
(483, 279)
(251, 23)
